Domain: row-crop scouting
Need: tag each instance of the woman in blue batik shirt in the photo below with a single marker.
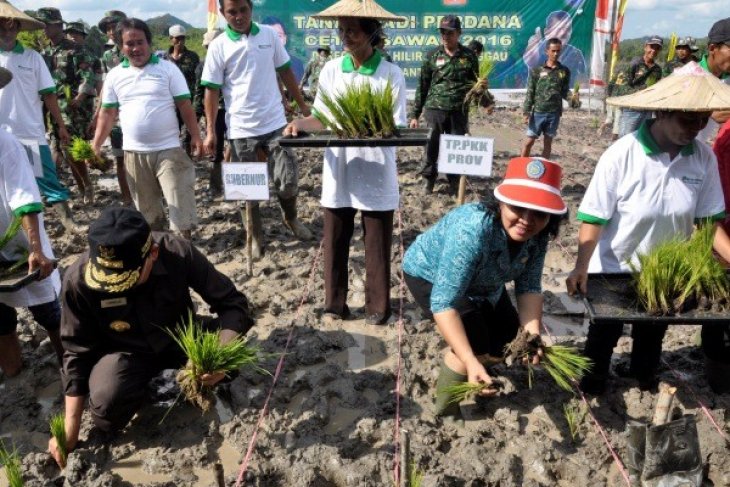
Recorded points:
(457, 271)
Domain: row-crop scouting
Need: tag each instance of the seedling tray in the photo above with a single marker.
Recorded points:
(18, 279)
(325, 138)
(612, 298)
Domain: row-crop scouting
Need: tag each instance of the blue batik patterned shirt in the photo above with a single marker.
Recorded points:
(466, 258)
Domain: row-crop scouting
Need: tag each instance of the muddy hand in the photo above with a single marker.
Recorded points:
(37, 260)
(210, 380)
(55, 453)
(477, 374)
(413, 123)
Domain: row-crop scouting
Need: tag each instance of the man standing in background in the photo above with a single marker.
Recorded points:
(187, 61)
(641, 73)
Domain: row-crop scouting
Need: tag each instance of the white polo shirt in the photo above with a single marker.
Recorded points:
(365, 178)
(643, 199)
(21, 107)
(18, 196)
(146, 100)
(244, 69)
(710, 131)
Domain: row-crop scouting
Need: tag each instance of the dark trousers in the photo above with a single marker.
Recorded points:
(118, 385)
(442, 122)
(339, 225)
(488, 328)
(645, 352)
(48, 315)
(716, 343)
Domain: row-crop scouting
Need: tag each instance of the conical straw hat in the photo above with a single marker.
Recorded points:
(688, 89)
(27, 22)
(357, 8)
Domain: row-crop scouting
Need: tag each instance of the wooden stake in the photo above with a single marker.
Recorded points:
(663, 410)
(405, 458)
(219, 476)
(249, 236)
(462, 191)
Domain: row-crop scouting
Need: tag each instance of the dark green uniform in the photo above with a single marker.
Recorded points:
(311, 74)
(188, 63)
(676, 63)
(111, 58)
(546, 89)
(639, 75)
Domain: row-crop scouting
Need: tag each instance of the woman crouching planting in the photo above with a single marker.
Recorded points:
(358, 178)
(457, 271)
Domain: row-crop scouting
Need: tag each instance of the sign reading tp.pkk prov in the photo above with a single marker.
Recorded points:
(460, 154)
(246, 181)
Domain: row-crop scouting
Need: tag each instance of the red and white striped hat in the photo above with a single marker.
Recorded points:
(532, 182)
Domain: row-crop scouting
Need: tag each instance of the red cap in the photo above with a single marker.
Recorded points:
(532, 182)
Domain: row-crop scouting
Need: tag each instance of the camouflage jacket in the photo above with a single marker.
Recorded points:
(311, 73)
(640, 76)
(111, 59)
(546, 89)
(199, 93)
(188, 63)
(676, 63)
(445, 80)
(72, 68)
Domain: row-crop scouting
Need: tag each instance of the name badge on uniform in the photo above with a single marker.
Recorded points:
(113, 303)
(120, 326)
(440, 61)
(543, 74)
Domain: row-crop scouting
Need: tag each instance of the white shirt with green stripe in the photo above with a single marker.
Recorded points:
(146, 99)
(709, 133)
(21, 107)
(642, 199)
(244, 68)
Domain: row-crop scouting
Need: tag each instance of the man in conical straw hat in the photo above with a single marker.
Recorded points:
(357, 178)
(649, 187)
(21, 96)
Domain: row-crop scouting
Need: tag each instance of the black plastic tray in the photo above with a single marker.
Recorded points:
(325, 138)
(611, 299)
(17, 279)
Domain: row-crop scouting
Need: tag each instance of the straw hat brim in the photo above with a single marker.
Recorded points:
(27, 22)
(363, 9)
(679, 92)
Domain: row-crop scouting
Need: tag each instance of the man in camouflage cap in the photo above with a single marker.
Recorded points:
(684, 52)
(311, 72)
(187, 61)
(447, 74)
(72, 68)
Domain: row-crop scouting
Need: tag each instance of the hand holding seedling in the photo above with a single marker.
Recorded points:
(477, 374)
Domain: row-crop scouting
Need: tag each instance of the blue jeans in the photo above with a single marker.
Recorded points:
(631, 120)
(546, 123)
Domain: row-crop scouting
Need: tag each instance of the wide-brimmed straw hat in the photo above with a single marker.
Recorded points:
(366, 9)
(27, 22)
(689, 89)
(534, 183)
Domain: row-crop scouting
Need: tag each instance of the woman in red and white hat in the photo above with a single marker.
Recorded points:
(457, 271)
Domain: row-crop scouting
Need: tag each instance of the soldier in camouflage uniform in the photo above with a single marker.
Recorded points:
(72, 69)
(311, 72)
(447, 74)
(110, 59)
(547, 86)
(187, 61)
(642, 72)
(684, 52)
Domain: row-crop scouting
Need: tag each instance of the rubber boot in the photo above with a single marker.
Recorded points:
(256, 230)
(289, 209)
(65, 216)
(443, 407)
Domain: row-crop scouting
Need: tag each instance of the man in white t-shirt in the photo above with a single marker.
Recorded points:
(21, 107)
(244, 63)
(19, 198)
(144, 91)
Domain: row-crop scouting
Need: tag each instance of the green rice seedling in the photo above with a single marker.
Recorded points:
(206, 355)
(57, 424)
(19, 264)
(10, 459)
(574, 415)
(462, 391)
(415, 476)
(361, 111)
(565, 365)
(479, 91)
(81, 150)
(10, 232)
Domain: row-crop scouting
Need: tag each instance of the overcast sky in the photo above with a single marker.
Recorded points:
(643, 17)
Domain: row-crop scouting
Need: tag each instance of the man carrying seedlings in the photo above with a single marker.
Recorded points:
(649, 187)
(641, 73)
(447, 75)
(120, 299)
(20, 199)
(684, 52)
(32, 88)
(243, 63)
(547, 87)
(717, 62)
(145, 91)
(187, 61)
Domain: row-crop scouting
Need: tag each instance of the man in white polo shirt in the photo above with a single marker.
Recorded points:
(145, 90)
(244, 63)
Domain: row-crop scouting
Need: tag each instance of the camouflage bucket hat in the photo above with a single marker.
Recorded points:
(49, 15)
(76, 27)
(111, 17)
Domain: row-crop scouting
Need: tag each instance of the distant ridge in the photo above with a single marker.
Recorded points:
(160, 25)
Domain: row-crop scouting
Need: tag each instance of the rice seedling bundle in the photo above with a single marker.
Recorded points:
(11, 463)
(479, 90)
(10, 232)
(461, 391)
(57, 425)
(206, 355)
(361, 111)
(565, 365)
(81, 150)
(574, 416)
(678, 272)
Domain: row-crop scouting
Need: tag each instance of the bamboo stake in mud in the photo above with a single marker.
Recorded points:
(462, 190)
(249, 237)
(405, 458)
(663, 410)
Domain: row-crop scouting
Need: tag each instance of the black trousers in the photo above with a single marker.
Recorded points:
(716, 342)
(488, 328)
(645, 353)
(442, 122)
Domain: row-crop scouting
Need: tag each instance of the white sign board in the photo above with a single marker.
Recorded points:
(246, 181)
(459, 154)
(33, 150)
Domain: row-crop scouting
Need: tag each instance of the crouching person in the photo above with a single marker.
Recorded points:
(119, 299)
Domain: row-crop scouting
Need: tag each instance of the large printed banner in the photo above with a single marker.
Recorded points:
(513, 32)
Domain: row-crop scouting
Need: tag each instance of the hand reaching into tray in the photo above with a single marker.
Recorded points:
(577, 282)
